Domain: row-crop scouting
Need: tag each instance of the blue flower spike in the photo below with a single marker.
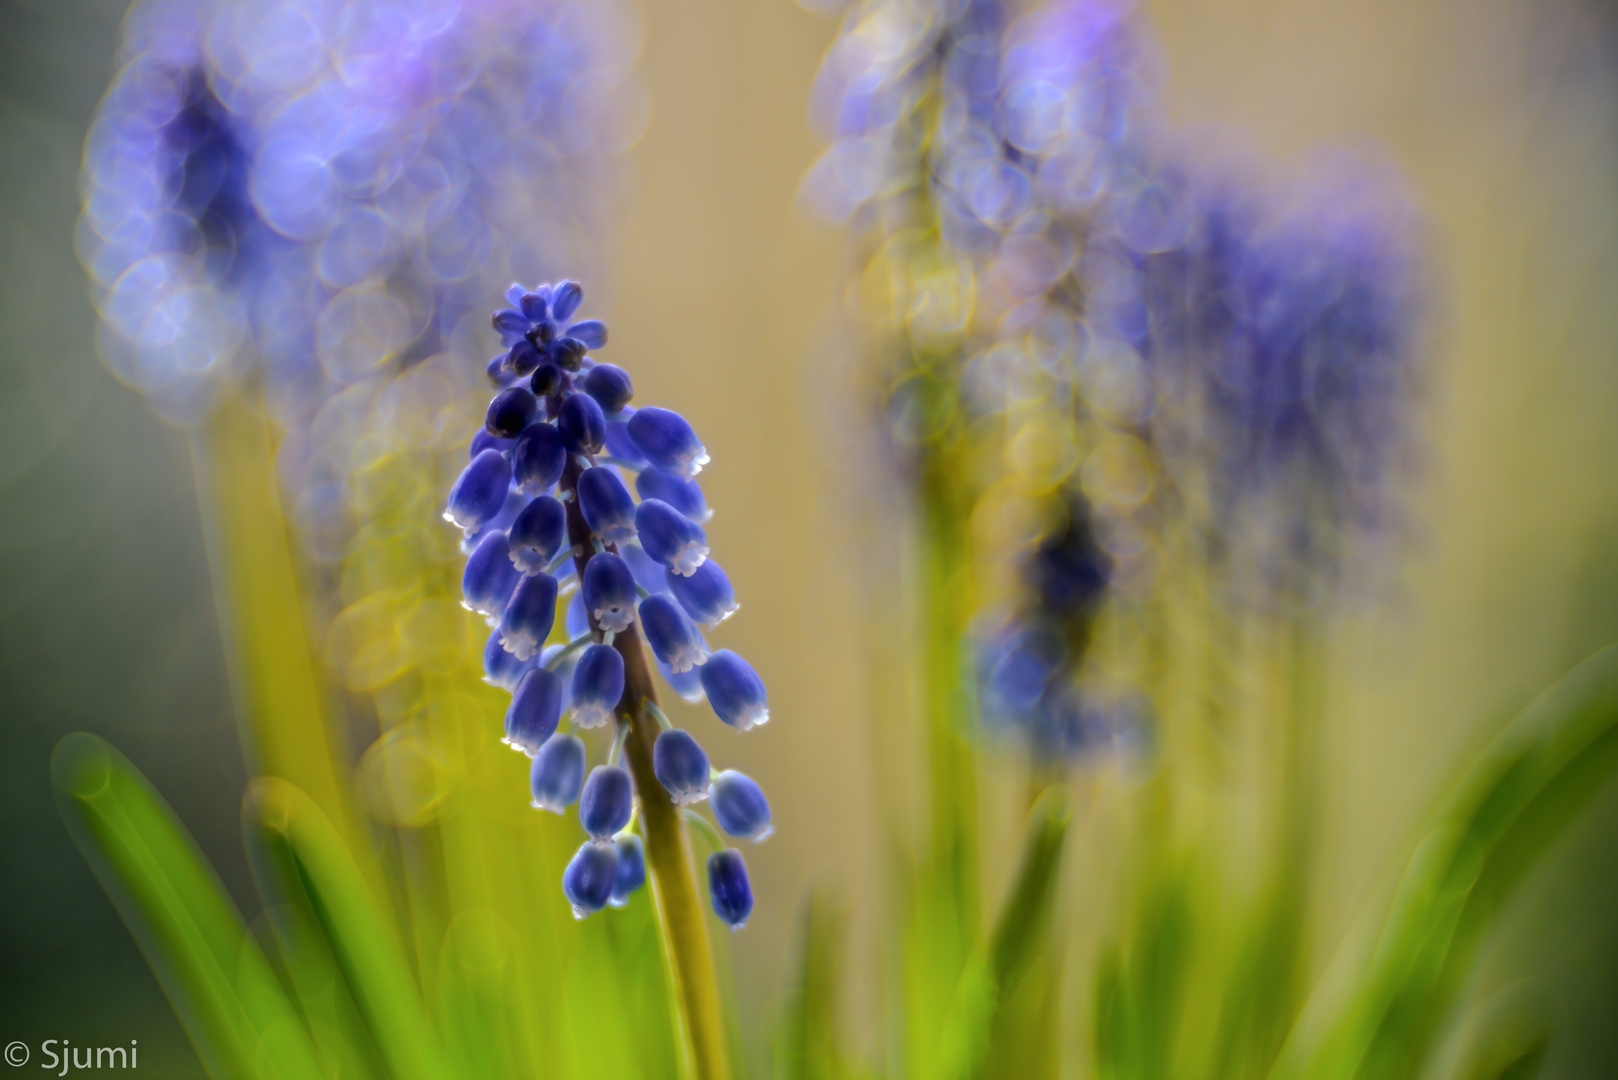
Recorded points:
(705, 594)
(740, 806)
(670, 537)
(489, 577)
(667, 441)
(538, 458)
(731, 892)
(582, 426)
(608, 591)
(673, 637)
(631, 868)
(598, 684)
(606, 802)
(557, 775)
(735, 691)
(681, 766)
(589, 878)
(480, 491)
(537, 534)
(680, 492)
(535, 710)
(607, 507)
(529, 615)
(610, 386)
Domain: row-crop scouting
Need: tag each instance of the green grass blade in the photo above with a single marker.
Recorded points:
(359, 931)
(1383, 1005)
(212, 970)
(809, 1047)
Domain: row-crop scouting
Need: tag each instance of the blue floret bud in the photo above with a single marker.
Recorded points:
(588, 880)
(734, 690)
(565, 299)
(501, 668)
(667, 441)
(510, 324)
(535, 709)
(498, 372)
(619, 444)
(611, 387)
(740, 806)
(592, 332)
(567, 353)
(678, 491)
(547, 380)
(512, 409)
(609, 591)
(489, 577)
(681, 766)
(598, 684)
(671, 634)
(523, 359)
(537, 534)
(558, 772)
(606, 505)
(631, 868)
(705, 594)
(728, 886)
(529, 615)
(534, 308)
(582, 426)
(606, 802)
(538, 458)
(480, 491)
(670, 537)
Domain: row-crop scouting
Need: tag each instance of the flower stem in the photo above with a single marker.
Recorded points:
(675, 893)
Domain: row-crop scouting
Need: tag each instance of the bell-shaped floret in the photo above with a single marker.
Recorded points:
(740, 806)
(735, 691)
(729, 888)
(480, 491)
(535, 709)
(501, 668)
(582, 426)
(538, 458)
(671, 633)
(705, 594)
(681, 766)
(680, 492)
(566, 296)
(667, 441)
(537, 534)
(606, 802)
(558, 772)
(609, 591)
(688, 684)
(598, 684)
(606, 505)
(670, 537)
(512, 409)
(619, 444)
(588, 880)
(631, 868)
(489, 578)
(611, 387)
(529, 615)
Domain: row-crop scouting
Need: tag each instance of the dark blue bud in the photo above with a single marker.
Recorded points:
(705, 594)
(533, 307)
(489, 578)
(538, 458)
(558, 772)
(510, 324)
(740, 806)
(502, 669)
(593, 332)
(648, 572)
(537, 534)
(565, 299)
(667, 441)
(578, 620)
(681, 766)
(671, 634)
(529, 615)
(542, 334)
(583, 428)
(688, 684)
(480, 491)
(547, 380)
(729, 888)
(631, 868)
(619, 444)
(606, 801)
(512, 409)
(497, 371)
(523, 359)
(598, 684)
(735, 691)
(609, 591)
(606, 505)
(536, 707)
(670, 537)
(484, 441)
(678, 491)
(610, 385)
(567, 353)
(587, 882)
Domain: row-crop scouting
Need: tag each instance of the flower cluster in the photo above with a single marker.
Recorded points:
(544, 507)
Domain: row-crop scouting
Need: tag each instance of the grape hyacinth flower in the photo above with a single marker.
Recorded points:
(644, 577)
